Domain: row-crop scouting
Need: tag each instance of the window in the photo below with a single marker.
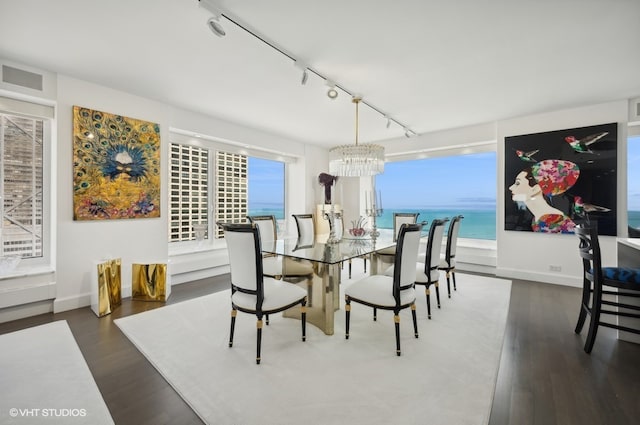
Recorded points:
(633, 179)
(21, 185)
(231, 188)
(188, 191)
(266, 187)
(223, 183)
(443, 187)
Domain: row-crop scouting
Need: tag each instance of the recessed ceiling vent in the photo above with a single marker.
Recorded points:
(20, 77)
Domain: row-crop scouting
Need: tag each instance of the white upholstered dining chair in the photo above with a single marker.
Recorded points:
(395, 292)
(273, 264)
(251, 291)
(448, 260)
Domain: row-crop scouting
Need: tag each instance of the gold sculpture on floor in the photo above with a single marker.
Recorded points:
(106, 294)
(149, 282)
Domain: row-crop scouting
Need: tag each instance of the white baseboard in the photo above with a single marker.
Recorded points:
(185, 277)
(25, 310)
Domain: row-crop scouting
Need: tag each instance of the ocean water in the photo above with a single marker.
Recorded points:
(477, 224)
(634, 219)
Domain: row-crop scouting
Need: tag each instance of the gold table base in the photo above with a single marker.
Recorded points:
(323, 297)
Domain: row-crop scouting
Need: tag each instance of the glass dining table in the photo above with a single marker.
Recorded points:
(323, 287)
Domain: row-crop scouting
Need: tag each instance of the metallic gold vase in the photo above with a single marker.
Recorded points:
(106, 290)
(149, 282)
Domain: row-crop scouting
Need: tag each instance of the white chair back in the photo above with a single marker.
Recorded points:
(406, 257)
(245, 261)
(267, 226)
(306, 229)
(452, 238)
(402, 218)
(434, 245)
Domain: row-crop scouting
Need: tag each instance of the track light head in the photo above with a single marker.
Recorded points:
(388, 122)
(214, 25)
(214, 22)
(305, 71)
(332, 93)
(407, 133)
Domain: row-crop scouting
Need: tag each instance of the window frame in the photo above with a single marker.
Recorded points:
(39, 110)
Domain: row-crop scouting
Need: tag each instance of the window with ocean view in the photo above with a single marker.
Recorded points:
(633, 181)
(443, 187)
(266, 187)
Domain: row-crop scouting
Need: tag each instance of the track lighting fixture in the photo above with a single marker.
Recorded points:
(305, 71)
(332, 93)
(214, 22)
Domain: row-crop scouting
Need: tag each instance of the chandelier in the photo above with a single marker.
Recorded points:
(356, 160)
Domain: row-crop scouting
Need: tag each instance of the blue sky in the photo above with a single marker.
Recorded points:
(467, 181)
(457, 181)
(266, 179)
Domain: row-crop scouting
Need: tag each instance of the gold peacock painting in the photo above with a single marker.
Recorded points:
(116, 166)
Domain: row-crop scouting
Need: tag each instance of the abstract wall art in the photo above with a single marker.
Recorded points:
(116, 166)
(556, 179)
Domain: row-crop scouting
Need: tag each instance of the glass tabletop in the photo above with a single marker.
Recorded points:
(320, 251)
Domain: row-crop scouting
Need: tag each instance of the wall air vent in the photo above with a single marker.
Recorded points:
(22, 78)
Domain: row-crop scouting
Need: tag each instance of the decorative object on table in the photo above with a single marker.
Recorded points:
(106, 288)
(356, 160)
(335, 226)
(572, 179)
(373, 209)
(149, 282)
(116, 166)
(358, 228)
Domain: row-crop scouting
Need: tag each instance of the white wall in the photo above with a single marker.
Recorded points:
(81, 243)
(528, 255)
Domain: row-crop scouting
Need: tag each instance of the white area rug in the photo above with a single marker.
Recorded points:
(447, 376)
(44, 379)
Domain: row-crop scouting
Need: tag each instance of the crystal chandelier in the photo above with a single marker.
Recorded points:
(356, 160)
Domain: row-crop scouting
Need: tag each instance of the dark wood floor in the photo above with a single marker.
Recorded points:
(545, 377)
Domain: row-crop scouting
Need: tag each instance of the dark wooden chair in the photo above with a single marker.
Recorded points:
(619, 283)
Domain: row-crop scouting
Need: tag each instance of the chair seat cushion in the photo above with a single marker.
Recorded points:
(378, 290)
(272, 266)
(297, 267)
(277, 294)
(387, 251)
(622, 274)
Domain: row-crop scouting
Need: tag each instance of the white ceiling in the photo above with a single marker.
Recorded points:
(431, 65)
